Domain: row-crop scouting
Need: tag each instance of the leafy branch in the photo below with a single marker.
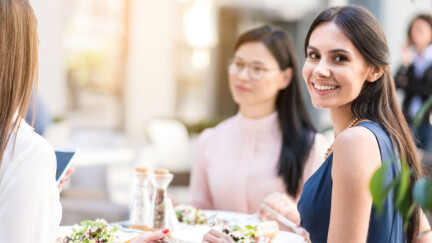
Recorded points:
(422, 112)
(405, 199)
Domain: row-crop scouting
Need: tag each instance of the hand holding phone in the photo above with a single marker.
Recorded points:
(64, 161)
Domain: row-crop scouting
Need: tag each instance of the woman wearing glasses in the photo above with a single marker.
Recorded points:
(269, 149)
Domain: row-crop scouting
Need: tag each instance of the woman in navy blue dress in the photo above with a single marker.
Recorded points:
(347, 71)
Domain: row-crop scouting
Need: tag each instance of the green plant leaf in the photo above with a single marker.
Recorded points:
(422, 194)
(422, 112)
(402, 188)
(378, 188)
(409, 214)
(403, 193)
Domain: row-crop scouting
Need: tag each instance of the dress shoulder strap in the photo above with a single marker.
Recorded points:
(387, 148)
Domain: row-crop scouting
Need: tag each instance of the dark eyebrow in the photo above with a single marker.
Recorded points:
(340, 50)
(258, 63)
(332, 51)
(313, 48)
(253, 62)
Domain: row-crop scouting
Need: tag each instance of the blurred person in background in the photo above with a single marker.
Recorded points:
(30, 209)
(37, 115)
(415, 76)
(266, 152)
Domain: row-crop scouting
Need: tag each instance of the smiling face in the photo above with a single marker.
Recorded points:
(334, 70)
(254, 77)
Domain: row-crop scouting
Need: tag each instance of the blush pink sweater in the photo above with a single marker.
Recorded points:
(235, 166)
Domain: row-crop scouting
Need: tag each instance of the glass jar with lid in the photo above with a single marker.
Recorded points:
(163, 215)
(140, 211)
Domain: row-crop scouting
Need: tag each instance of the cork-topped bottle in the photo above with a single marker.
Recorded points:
(140, 213)
(162, 206)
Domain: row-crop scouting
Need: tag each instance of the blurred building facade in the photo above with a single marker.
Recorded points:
(115, 64)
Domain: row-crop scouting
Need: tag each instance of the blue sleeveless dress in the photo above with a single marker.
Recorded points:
(315, 202)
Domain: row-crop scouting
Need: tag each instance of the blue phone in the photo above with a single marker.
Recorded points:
(64, 161)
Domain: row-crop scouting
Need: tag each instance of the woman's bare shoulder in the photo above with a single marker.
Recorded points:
(356, 152)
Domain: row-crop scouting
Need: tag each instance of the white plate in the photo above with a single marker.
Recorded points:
(122, 236)
(195, 235)
(190, 235)
(234, 217)
(228, 217)
(285, 236)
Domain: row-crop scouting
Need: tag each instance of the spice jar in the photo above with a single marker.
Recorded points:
(162, 206)
(140, 213)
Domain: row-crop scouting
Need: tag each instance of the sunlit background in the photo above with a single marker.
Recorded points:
(133, 82)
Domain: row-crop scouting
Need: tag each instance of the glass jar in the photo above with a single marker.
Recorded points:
(163, 214)
(140, 213)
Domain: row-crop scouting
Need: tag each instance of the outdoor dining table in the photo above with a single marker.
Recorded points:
(194, 233)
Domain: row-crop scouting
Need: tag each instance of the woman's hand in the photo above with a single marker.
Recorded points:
(152, 237)
(65, 179)
(214, 236)
(282, 204)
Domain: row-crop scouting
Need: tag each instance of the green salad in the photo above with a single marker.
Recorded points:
(190, 215)
(97, 231)
(243, 234)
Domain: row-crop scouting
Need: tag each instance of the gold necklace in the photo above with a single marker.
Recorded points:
(349, 126)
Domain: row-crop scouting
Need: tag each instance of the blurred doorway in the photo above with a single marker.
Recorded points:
(95, 42)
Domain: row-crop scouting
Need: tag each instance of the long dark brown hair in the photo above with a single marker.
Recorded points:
(377, 100)
(18, 65)
(296, 126)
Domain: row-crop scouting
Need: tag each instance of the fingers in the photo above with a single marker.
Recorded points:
(284, 205)
(211, 238)
(271, 198)
(155, 236)
(217, 233)
(270, 201)
(152, 237)
(71, 171)
(275, 200)
(306, 236)
(63, 180)
(215, 236)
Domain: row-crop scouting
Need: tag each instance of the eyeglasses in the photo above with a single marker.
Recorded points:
(255, 71)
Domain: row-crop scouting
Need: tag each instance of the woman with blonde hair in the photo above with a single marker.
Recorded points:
(29, 198)
(30, 209)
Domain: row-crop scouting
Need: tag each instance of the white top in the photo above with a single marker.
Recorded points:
(236, 164)
(30, 209)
